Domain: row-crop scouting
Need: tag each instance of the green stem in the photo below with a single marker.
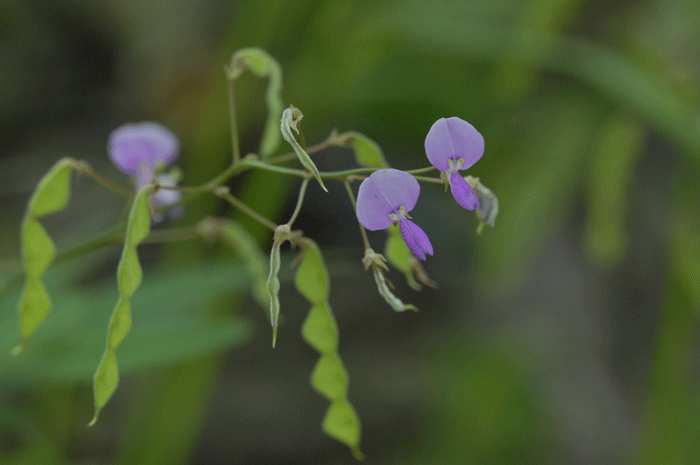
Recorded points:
(86, 169)
(234, 125)
(365, 239)
(246, 209)
(300, 200)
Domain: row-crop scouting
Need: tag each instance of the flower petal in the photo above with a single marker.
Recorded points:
(135, 147)
(382, 193)
(463, 192)
(416, 239)
(453, 138)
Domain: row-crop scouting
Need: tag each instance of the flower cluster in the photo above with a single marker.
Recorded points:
(387, 195)
(142, 150)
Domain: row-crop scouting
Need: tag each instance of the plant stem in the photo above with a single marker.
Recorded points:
(234, 125)
(365, 239)
(300, 200)
(246, 209)
(86, 169)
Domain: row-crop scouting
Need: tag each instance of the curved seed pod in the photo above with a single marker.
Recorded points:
(129, 276)
(320, 331)
(51, 195)
(261, 64)
(290, 121)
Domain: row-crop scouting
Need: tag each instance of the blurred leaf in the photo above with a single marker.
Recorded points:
(608, 184)
(169, 326)
(260, 63)
(367, 152)
(33, 309)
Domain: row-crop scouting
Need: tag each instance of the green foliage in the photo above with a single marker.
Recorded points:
(129, 276)
(273, 287)
(608, 185)
(320, 331)
(367, 152)
(290, 120)
(38, 251)
(260, 63)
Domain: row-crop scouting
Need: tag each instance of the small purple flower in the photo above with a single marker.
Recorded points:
(139, 149)
(451, 145)
(387, 196)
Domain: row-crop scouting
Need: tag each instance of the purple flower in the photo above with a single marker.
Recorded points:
(451, 145)
(387, 196)
(139, 149)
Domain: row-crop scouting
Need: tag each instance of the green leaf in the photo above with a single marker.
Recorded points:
(33, 308)
(290, 121)
(320, 330)
(119, 323)
(53, 191)
(38, 250)
(367, 152)
(172, 322)
(260, 63)
(342, 423)
(129, 273)
(330, 378)
(139, 224)
(311, 279)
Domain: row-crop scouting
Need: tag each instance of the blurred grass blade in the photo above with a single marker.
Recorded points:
(608, 185)
(320, 331)
(129, 276)
(261, 64)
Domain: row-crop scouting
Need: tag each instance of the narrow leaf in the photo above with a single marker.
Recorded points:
(290, 120)
(367, 152)
(53, 191)
(260, 63)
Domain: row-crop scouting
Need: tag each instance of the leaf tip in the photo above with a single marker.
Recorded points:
(94, 418)
(274, 337)
(357, 453)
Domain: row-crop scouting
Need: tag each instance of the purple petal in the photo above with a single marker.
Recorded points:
(381, 194)
(463, 192)
(453, 138)
(416, 240)
(136, 148)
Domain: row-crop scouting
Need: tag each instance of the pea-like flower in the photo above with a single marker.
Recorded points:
(386, 197)
(139, 149)
(142, 150)
(452, 145)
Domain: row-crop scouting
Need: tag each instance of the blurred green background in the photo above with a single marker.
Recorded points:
(566, 335)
